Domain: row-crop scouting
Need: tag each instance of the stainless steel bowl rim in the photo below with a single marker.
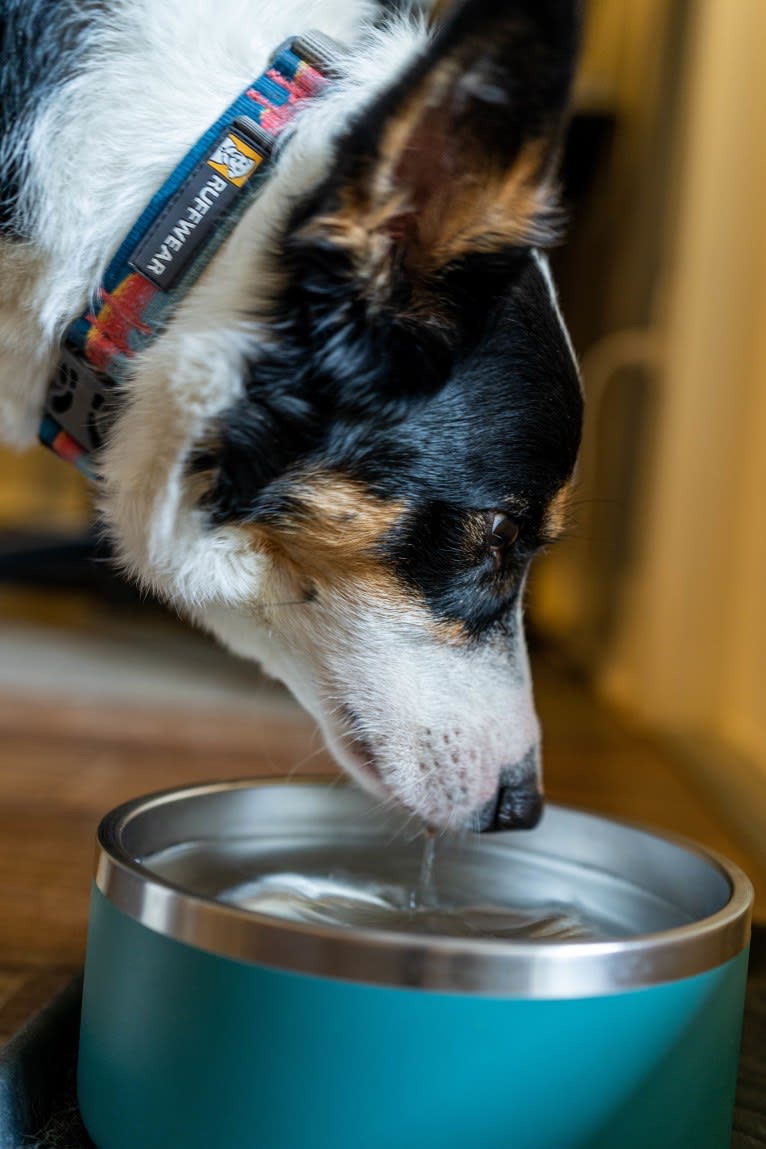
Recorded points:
(488, 967)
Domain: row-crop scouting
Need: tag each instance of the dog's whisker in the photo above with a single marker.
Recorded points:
(287, 602)
(303, 762)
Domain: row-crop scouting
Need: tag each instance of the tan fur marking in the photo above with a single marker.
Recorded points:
(451, 631)
(440, 11)
(336, 535)
(466, 204)
(481, 211)
(477, 207)
(486, 212)
(473, 538)
(555, 521)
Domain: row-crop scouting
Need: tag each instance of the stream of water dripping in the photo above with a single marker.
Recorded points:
(422, 894)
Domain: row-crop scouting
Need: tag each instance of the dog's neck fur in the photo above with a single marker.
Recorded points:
(150, 81)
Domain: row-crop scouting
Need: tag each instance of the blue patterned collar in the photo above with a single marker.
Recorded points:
(171, 243)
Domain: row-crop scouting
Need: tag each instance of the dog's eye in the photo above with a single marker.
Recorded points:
(503, 533)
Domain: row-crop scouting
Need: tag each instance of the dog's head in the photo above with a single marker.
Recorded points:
(407, 433)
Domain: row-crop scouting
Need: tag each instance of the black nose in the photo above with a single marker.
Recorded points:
(514, 807)
(517, 809)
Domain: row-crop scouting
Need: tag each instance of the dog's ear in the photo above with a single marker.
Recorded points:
(457, 158)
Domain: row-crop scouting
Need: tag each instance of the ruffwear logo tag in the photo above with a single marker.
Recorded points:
(235, 160)
(189, 222)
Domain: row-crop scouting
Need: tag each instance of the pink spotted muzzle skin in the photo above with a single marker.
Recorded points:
(517, 803)
(448, 733)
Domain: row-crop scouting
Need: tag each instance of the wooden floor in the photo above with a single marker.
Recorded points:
(63, 766)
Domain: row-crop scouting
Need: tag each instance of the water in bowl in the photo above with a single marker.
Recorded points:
(356, 901)
(466, 885)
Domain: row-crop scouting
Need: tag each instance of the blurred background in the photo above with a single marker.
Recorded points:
(648, 625)
(659, 593)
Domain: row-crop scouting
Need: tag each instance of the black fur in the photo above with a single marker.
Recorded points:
(41, 44)
(493, 423)
(469, 408)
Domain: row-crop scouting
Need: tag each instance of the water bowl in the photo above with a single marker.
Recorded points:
(276, 966)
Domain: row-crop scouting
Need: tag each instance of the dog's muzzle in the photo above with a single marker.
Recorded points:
(517, 803)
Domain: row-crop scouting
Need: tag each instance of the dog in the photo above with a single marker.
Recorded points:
(340, 450)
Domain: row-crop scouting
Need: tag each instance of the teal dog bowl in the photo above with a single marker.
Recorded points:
(226, 1008)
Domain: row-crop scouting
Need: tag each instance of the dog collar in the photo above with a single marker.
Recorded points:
(171, 243)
